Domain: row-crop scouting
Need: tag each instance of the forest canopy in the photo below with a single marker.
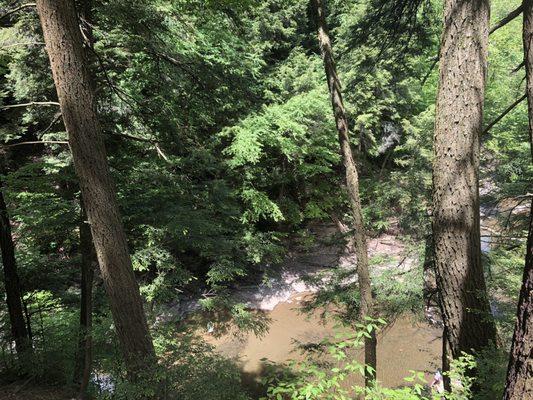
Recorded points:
(167, 166)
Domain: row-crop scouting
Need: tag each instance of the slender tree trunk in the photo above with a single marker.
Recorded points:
(519, 383)
(82, 370)
(28, 320)
(352, 183)
(84, 355)
(12, 283)
(461, 283)
(76, 96)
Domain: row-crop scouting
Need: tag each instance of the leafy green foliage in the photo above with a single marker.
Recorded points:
(333, 379)
(223, 147)
(189, 370)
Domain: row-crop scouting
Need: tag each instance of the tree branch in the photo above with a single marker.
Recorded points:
(6, 146)
(122, 135)
(503, 114)
(160, 152)
(16, 9)
(138, 139)
(433, 65)
(504, 21)
(6, 46)
(518, 67)
(33, 103)
(175, 62)
(120, 94)
(57, 117)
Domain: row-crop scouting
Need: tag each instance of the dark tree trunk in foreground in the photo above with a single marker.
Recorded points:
(84, 356)
(465, 307)
(11, 282)
(76, 96)
(84, 352)
(352, 182)
(519, 383)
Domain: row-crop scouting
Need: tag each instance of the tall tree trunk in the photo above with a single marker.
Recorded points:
(465, 307)
(11, 282)
(519, 383)
(76, 96)
(84, 356)
(352, 183)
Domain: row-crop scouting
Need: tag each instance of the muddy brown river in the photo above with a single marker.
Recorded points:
(402, 346)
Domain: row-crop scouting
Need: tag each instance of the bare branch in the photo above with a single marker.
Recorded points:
(175, 62)
(120, 94)
(140, 139)
(428, 74)
(160, 152)
(6, 46)
(17, 9)
(518, 67)
(503, 114)
(524, 196)
(6, 146)
(504, 21)
(122, 135)
(57, 117)
(33, 103)
(136, 138)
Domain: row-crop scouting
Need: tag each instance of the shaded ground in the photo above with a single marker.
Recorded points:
(12, 392)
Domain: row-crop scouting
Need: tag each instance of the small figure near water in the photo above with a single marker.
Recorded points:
(437, 384)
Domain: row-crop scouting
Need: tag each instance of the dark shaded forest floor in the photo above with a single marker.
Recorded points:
(13, 392)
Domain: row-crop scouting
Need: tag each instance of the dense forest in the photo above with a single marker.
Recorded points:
(266, 199)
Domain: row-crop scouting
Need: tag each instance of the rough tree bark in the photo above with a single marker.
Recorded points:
(466, 312)
(519, 383)
(352, 183)
(84, 351)
(84, 356)
(11, 282)
(76, 97)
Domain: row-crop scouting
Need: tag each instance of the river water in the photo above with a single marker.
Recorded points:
(404, 345)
